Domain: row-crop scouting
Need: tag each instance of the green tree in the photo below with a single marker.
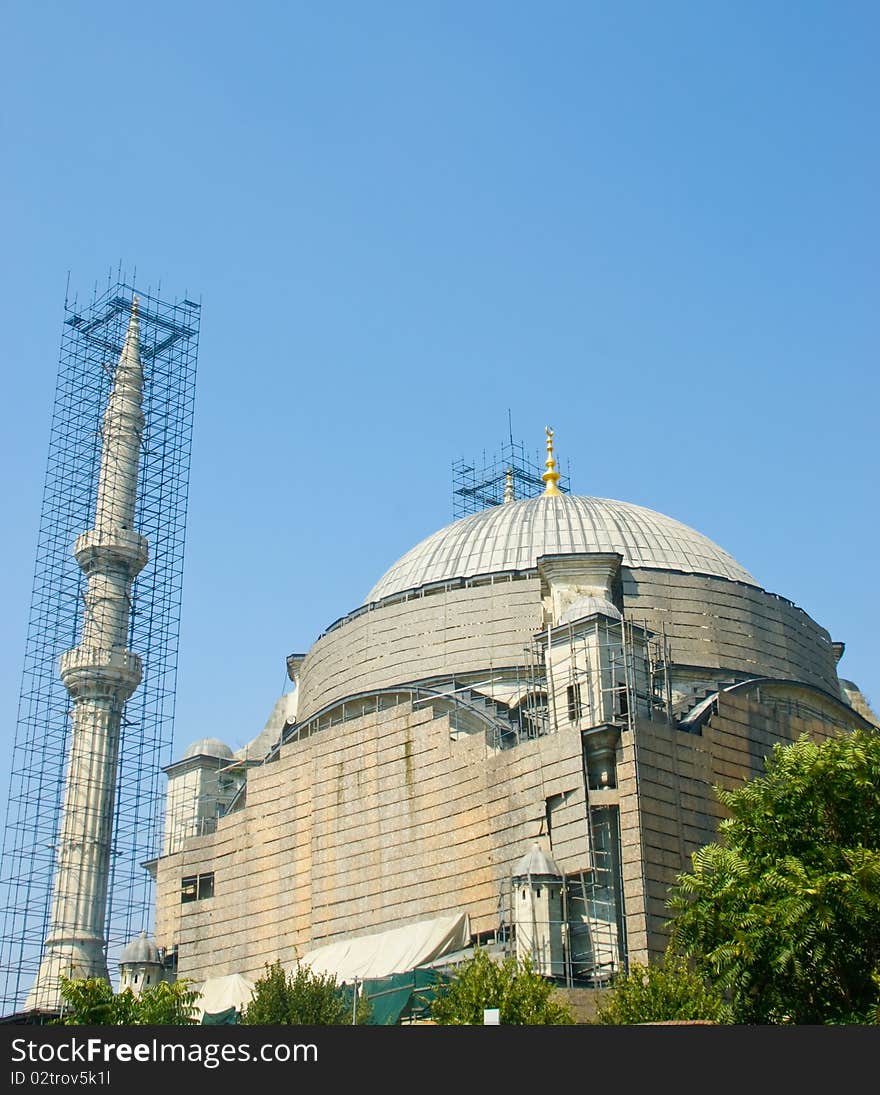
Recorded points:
(661, 992)
(783, 913)
(301, 998)
(523, 997)
(91, 1001)
(167, 1004)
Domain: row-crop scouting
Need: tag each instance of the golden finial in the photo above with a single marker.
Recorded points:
(509, 492)
(551, 476)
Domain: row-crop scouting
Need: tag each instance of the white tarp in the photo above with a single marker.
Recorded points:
(396, 951)
(221, 993)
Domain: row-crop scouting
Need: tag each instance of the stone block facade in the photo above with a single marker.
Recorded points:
(389, 818)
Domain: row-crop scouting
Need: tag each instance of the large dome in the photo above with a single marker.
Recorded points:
(512, 536)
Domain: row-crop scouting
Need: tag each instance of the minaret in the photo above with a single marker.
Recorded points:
(100, 674)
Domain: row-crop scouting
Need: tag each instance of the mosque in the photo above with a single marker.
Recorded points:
(513, 740)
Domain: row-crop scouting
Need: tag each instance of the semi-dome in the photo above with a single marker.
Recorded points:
(514, 535)
(208, 747)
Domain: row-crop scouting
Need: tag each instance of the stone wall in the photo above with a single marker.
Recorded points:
(676, 810)
(727, 626)
(447, 632)
(385, 820)
(375, 822)
(713, 624)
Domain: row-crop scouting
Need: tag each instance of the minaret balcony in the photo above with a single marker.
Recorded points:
(96, 550)
(97, 673)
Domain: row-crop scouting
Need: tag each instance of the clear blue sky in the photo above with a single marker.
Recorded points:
(651, 225)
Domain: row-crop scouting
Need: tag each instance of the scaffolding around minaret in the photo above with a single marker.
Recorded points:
(508, 475)
(101, 649)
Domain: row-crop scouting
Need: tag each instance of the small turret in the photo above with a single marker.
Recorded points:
(538, 912)
(140, 965)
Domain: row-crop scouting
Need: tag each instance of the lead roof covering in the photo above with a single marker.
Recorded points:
(513, 535)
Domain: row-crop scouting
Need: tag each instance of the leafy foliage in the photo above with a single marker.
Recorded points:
(784, 912)
(661, 992)
(167, 1004)
(523, 997)
(91, 1001)
(301, 998)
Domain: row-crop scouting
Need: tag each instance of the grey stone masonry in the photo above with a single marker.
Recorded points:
(728, 626)
(712, 624)
(375, 822)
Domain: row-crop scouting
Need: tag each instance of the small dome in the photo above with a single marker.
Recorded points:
(208, 747)
(140, 950)
(537, 864)
(587, 606)
(512, 536)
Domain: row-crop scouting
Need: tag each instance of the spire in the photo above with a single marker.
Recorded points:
(129, 369)
(122, 435)
(551, 476)
(509, 492)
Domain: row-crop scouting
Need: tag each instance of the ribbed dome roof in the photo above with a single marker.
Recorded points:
(512, 536)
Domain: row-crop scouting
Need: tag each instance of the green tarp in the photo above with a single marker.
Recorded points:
(402, 995)
(220, 1018)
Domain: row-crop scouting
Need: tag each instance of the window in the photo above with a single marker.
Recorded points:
(196, 887)
(573, 697)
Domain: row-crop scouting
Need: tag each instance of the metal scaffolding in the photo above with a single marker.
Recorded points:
(478, 485)
(92, 341)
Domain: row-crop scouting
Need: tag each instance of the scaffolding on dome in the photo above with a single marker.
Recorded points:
(92, 341)
(478, 485)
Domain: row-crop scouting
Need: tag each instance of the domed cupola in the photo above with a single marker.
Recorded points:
(140, 965)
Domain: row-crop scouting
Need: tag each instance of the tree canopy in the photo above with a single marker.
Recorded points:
(782, 913)
(661, 992)
(91, 1001)
(301, 998)
(523, 997)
